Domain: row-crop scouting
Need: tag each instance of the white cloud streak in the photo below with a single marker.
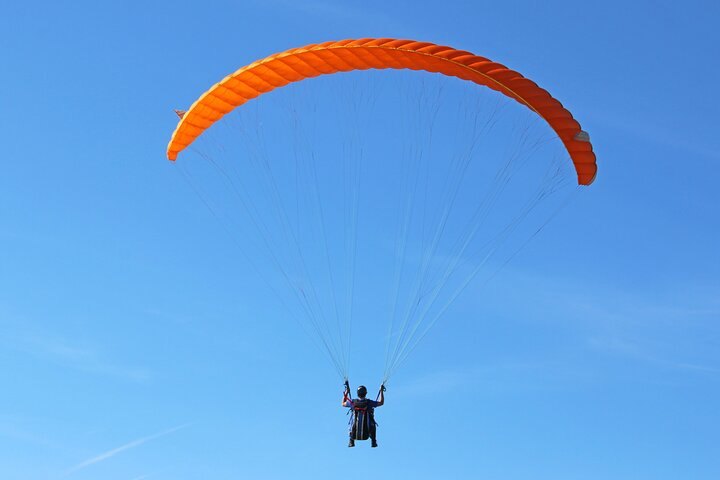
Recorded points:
(111, 453)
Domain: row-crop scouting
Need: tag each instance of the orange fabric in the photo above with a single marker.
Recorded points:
(331, 57)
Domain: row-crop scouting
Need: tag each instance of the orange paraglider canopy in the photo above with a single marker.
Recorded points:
(331, 57)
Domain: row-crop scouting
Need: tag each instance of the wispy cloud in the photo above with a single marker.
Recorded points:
(111, 453)
(59, 350)
(19, 435)
(663, 330)
(645, 354)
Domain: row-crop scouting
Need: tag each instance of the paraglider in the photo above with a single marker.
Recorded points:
(440, 247)
(362, 414)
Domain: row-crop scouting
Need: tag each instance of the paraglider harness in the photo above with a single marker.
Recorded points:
(362, 417)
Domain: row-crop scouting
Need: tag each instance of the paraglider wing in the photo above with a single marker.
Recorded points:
(331, 57)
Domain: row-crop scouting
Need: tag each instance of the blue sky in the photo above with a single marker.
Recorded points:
(126, 350)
